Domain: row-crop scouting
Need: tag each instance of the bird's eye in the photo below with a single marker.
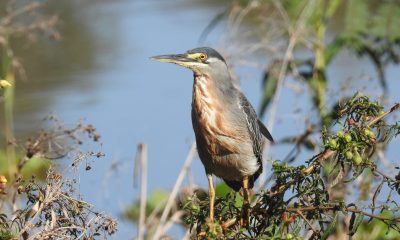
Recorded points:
(203, 56)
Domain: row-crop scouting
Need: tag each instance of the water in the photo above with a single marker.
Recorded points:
(100, 71)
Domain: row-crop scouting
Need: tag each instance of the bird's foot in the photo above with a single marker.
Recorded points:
(210, 224)
(212, 230)
(250, 193)
(244, 219)
(201, 235)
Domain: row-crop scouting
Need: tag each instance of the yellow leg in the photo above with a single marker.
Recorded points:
(211, 193)
(245, 190)
(246, 203)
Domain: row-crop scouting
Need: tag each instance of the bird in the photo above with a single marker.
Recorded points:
(229, 135)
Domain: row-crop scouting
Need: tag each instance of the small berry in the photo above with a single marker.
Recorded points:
(195, 207)
(349, 155)
(347, 137)
(332, 143)
(357, 159)
(369, 133)
(289, 236)
(340, 134)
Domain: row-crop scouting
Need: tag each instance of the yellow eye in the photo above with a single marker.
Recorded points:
(203, 56)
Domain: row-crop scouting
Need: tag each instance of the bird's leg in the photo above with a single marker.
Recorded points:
(211, 193)
(246, 190)
(246, 204)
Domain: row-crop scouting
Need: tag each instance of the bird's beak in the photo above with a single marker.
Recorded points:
(180, 59)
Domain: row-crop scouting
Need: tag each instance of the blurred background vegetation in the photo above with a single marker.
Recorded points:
(300, 40)
(303, 53)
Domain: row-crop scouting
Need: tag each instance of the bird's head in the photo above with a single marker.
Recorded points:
(202, 61)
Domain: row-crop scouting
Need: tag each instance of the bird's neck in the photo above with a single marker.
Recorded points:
(211, 85)
(203, 89)
(210, 94)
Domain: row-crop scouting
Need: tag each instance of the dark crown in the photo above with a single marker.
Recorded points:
(211, 53)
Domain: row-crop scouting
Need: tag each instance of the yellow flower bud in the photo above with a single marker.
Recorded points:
(4, 84)
(3, 179)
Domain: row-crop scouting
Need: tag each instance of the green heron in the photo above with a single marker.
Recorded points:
(227, 129)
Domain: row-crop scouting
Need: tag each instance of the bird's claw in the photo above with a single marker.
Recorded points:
(211, 224)
(212, 230)
(250, 193)
(244, 219)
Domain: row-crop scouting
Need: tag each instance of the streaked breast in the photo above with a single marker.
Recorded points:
(213, 125)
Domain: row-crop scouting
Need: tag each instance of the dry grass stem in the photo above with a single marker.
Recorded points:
(175, 191)
(143, 190)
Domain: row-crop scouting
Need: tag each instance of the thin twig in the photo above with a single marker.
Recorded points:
(175, 218)
(153, 216)
(239, 19)
(18, 12)
(306, 220)
(395, 219)
(380, 117)
(385, 175)
(228, 223)
(337, 208)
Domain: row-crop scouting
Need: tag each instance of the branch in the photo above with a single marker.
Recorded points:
(19, 12)
(384, 175)
(306, 220)
(337, 208)
(380, 117)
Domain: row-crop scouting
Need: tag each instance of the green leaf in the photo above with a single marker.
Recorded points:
(6, 235)
(331, 228)
(355, 222)
(35, 166)
(334, 48)
(357, 17)
(270, 83)
(157, 199)
(376, 228)
(221, 190)
(332, 7)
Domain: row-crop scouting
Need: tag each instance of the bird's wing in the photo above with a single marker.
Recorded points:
(252, 125)
(256, 130)
(265, 131)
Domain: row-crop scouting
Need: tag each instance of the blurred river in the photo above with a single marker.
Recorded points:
(100, 71)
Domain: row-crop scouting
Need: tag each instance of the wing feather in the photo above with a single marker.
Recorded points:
(265, 131)
(253, 126)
